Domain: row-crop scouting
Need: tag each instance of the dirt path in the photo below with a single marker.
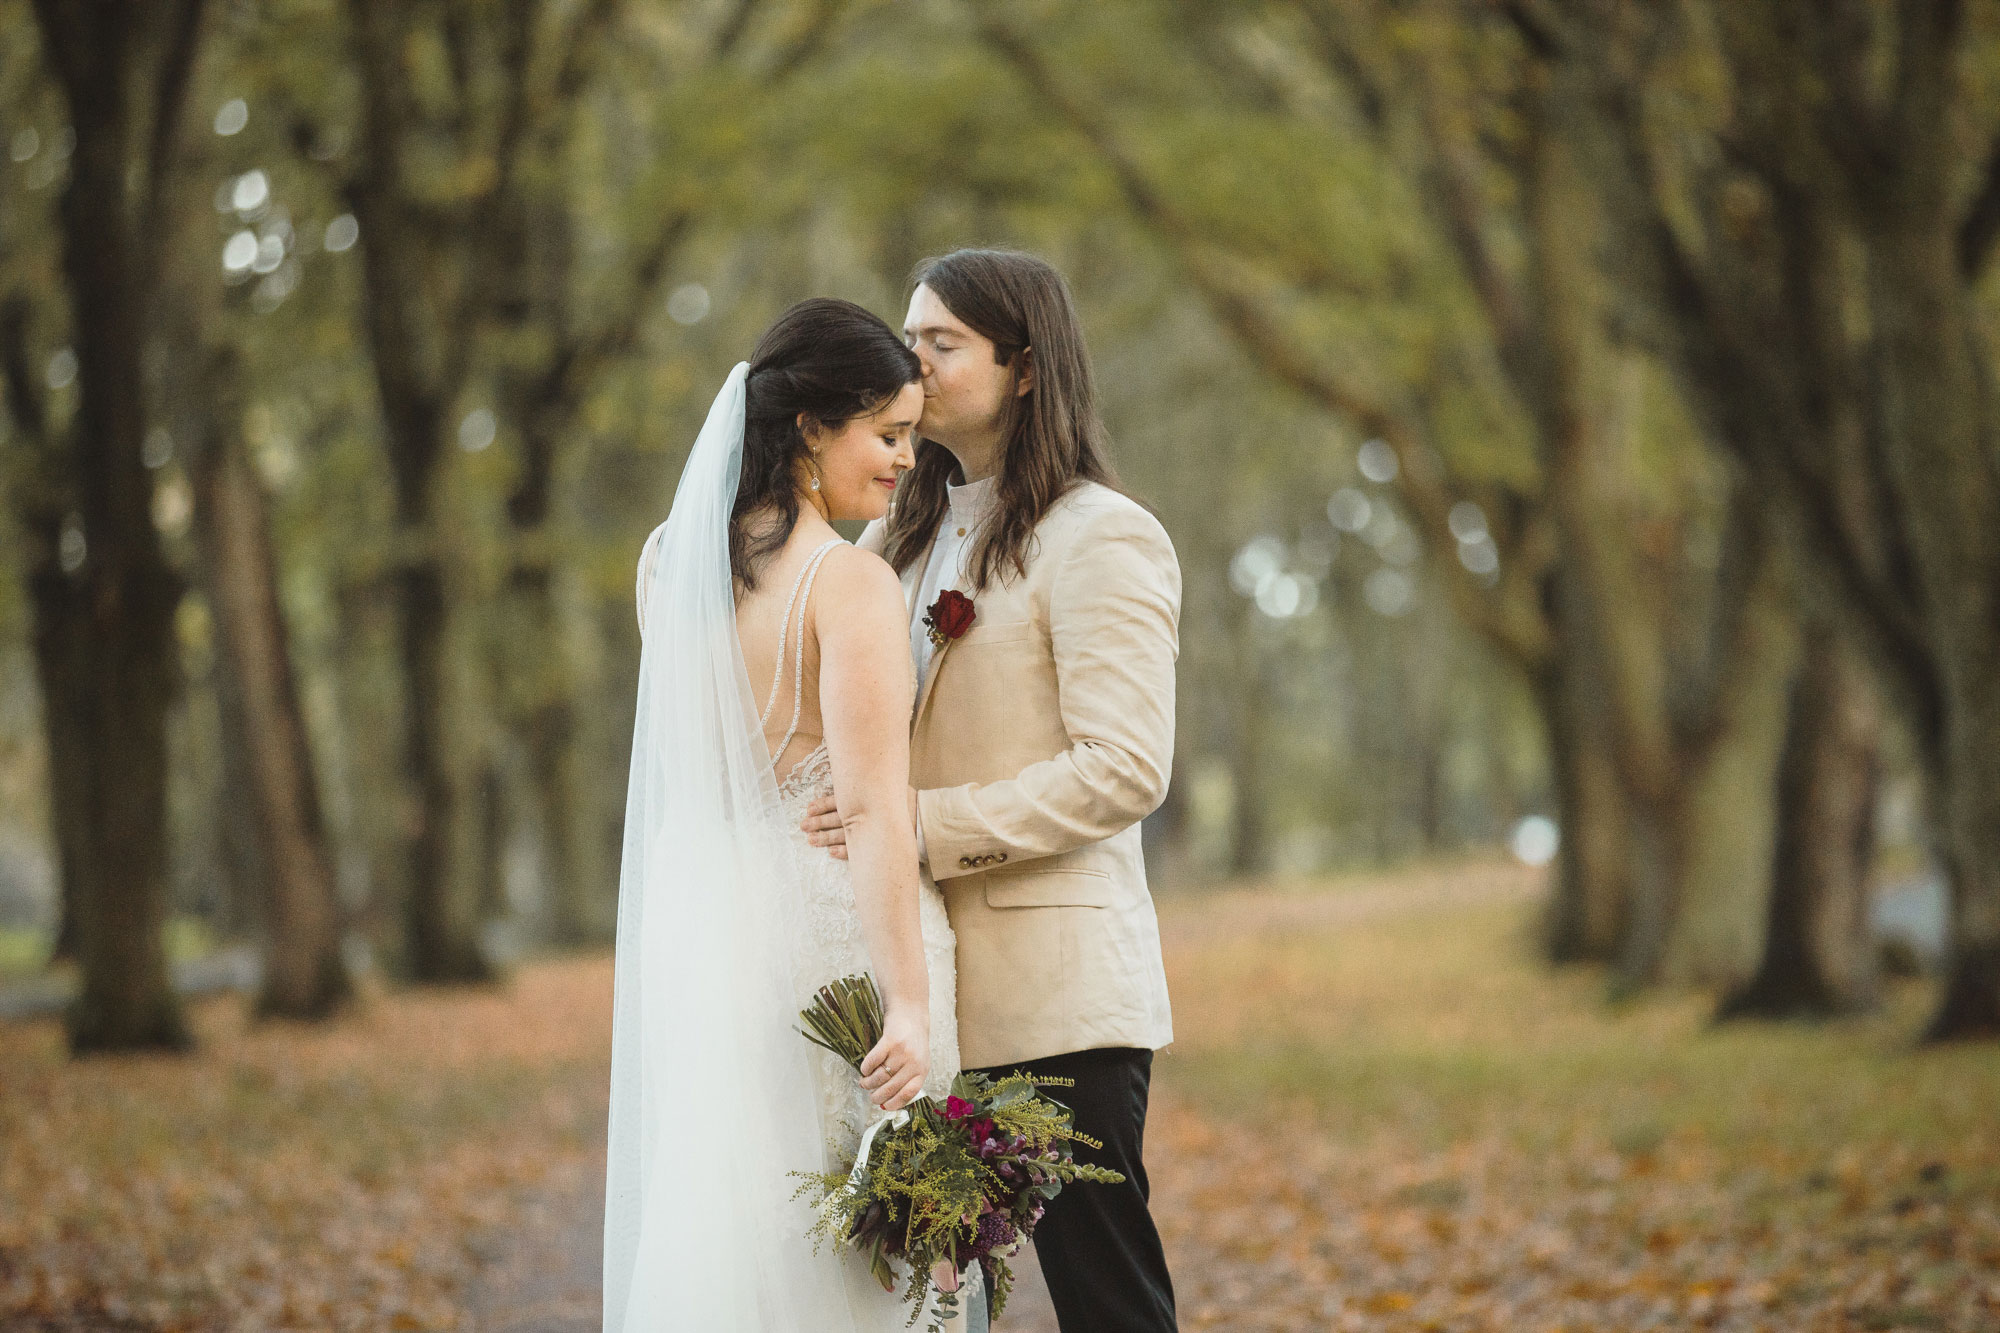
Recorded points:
(545, 1275)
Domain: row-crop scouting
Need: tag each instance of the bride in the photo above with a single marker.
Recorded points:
(728, 920)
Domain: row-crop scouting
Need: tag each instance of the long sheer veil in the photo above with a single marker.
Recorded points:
(712, 1096)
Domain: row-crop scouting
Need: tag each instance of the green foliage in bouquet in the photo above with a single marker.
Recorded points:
(951, 1184)
(845, 1017)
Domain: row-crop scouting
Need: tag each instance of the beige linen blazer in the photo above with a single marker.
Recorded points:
(1041, 738)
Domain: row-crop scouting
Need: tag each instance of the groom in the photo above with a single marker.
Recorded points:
(1044, 609)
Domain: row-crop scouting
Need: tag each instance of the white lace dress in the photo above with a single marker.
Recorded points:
(831, 946)
(834, 948)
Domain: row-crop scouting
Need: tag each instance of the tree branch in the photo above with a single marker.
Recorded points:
(579, 46)
(170, 98)
(1538, 28)
(734, 25)
(810, 39)
(1981, 225)
(1449, 174)
(27, 406)
(1522, 636)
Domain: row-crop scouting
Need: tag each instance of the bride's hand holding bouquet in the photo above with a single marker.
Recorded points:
(894, 1070)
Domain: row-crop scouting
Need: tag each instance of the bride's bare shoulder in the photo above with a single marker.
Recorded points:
(857, 586)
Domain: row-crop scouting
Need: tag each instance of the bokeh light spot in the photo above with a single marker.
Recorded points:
(1535, 840)
(71, 548)
(476, 431)
(1348, 510)
(1377, 462)
(1389, 592)
(342, 233)
(689, 303)
(253, 189)
(241, 252)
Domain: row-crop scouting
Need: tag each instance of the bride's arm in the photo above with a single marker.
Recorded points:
(865, 692)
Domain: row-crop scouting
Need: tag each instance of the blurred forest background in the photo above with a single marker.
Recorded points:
(1576, 420)
(1567, 411)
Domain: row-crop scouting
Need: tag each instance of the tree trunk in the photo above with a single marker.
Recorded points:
(1939, 405)
(420, 358)
(61, 668)
(263, 724)
(1818, 957)
(538, 681)
(441, 912)
(1844, 342)
(1969, 800)
(1730, 776)
(1249, 828)
(125, 594)
(1587, 905)
(581, 906)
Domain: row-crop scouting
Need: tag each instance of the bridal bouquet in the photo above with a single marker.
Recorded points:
(940, 1186)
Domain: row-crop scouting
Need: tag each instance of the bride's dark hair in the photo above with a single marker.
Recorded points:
(830, 359)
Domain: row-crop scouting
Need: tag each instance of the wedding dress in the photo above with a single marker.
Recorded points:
(728, 921)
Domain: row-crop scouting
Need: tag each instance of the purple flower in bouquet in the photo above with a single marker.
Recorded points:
(996, 1232)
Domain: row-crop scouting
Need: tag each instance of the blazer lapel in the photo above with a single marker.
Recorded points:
(930, 682)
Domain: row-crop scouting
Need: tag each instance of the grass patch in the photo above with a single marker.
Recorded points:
(23, 952)
(1435, 1019)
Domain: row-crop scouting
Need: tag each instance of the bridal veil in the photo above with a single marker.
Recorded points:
(712, 1099)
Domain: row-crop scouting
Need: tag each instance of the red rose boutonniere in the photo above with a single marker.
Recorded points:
(949, 616)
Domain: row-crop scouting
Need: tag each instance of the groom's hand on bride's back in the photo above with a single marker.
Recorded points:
(823, 827)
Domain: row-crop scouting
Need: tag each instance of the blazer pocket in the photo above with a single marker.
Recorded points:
(1007, 631)
(1048, 888)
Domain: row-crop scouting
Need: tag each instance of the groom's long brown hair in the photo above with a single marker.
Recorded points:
(1053, 437)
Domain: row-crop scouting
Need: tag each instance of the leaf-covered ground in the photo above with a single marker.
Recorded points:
(290, 1178)
(1398, 1121)
(1380, 1115)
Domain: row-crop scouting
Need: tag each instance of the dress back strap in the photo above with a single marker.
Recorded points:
(801, 594)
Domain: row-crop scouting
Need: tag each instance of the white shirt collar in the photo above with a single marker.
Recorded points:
(972, 501)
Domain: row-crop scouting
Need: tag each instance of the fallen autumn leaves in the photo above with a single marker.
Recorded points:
(293, 1178)
(1381, 1114)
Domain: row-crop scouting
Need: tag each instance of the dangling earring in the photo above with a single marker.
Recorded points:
(813, 463)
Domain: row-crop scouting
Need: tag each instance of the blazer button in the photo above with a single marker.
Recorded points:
(965, 862)
(1001, 857)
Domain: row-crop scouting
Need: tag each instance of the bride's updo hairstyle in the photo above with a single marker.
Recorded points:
(830, 359)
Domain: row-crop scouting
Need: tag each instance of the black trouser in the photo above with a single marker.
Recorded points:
(1099, 1249)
